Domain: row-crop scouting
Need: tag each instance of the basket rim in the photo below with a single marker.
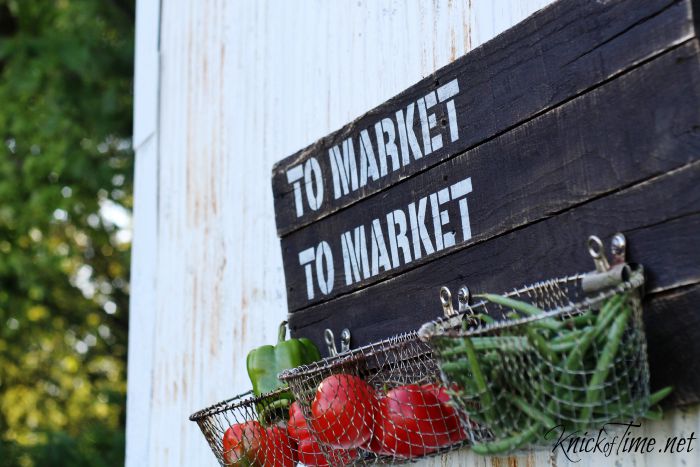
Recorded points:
(355, 355)
(451, 327)
(240, 400)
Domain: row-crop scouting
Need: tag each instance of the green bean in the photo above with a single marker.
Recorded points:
(562, 346)
(605, 321)
(630, 409)
(609, 312)
(491, 358)
(574, 360)
(485, 318)
(462, 388)
(585, 319)
(546, 324)
(549, 324)
(659, 395)
(569, 340)
(453, 352)
(513, 316)
(505, 344)
(568, 337)
(507, 444)
(455, 366)
(486, 397)
(532, 412)
(499, 343)
(627, 407)
(468, 385)
(539, 343)
(654, 413)
(450, 343)
(517, 305)
(612, 301)
(604, 364)
(525, 308)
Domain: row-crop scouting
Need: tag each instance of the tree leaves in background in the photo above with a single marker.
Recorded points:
(65, 196)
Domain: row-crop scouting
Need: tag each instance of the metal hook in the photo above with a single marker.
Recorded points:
(446, 300)
(463, 298)
(330, 342)
(345, 340)
(329, 337)
(618, 248)
(595, 249)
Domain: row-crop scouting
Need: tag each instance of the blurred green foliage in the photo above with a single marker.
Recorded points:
(66, 166)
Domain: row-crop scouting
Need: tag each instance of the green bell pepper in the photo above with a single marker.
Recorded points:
(264, 363)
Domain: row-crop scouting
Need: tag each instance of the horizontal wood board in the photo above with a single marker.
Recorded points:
(557, 53)
(672, 321)
(584, 119)
(590, 146)
(660, 217)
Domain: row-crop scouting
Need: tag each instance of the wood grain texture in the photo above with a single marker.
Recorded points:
(557, 53)
(146, 68)
(143, 282)
(672, 320)
(243, 84)
(662, 236)
(590, 146)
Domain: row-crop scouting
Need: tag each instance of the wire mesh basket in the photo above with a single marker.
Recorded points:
(380, 403)
(250, 431)
(563, 354)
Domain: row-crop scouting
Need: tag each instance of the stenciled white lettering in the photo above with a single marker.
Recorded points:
(388, 140)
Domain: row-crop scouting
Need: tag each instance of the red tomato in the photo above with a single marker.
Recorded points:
(379, 444)
(310, 454)
(278, 449)
(308, 450)
(414, 421)
(453, 431)
(343, 411)
(243, 444)
(296, 426)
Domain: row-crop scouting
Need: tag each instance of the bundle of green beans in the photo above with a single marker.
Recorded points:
(570, 371)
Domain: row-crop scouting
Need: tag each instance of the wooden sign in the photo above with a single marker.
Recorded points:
(583, 119)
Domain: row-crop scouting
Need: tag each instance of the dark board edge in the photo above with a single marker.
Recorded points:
(546, 97)
(585, 149)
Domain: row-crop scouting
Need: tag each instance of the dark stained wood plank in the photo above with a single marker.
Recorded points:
(660, 217)
(563, 50)
(642, 124)
(672, 322)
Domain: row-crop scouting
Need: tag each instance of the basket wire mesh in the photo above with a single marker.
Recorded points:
(554, 358)
(381, 403)
(250, 431)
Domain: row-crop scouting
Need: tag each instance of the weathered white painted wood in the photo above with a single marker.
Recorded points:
(143, 271)
(489, 18)
(243, 84)
(142, 316)
(146, 70)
